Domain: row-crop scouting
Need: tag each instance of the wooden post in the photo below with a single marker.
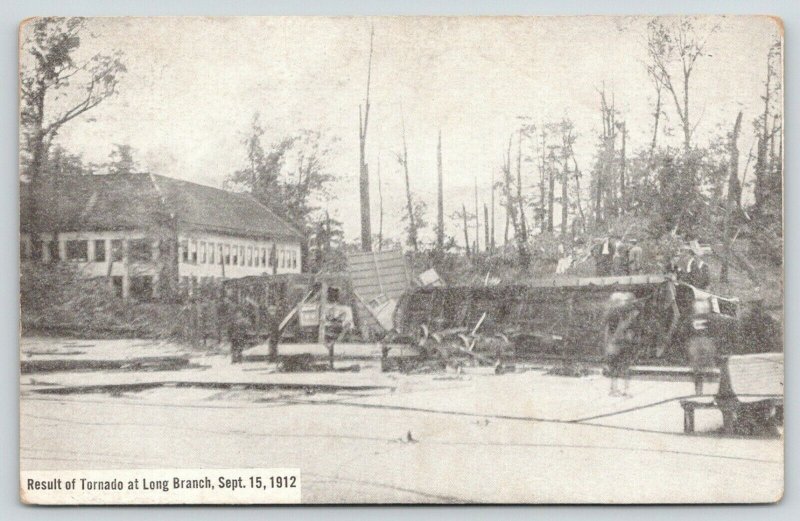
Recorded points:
(62, 248)
(194, 312)
(110, 261)
(275, 309)
(688, 417)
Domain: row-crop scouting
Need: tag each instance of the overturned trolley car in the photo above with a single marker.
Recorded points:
(660, 320)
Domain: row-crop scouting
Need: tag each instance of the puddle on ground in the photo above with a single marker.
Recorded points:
(214, 392)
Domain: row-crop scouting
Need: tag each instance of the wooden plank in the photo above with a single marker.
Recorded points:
(384, 268)
(372, 270)
(380, 255)
(390, 290)
(391, 278)
(368, 258)
(387, 262)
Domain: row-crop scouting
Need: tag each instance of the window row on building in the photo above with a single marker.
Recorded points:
(77, 250)
(203, 252)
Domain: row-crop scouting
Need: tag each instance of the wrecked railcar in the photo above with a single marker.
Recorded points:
(572, 318)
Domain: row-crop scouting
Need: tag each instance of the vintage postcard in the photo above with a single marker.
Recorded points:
(309, 260)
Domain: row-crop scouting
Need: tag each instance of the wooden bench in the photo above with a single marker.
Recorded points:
(689, 407)
(750, 395)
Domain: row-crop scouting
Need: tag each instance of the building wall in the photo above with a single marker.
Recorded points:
(133, 258)
(98, 257)
(201, 254)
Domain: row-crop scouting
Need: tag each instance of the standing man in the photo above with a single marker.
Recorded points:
(696, 271)
(634, 265)
(237, 334)
(338, 322)
(620, 259)
(604, 255)
(621, 335)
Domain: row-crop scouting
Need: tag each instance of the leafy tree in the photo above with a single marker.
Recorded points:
(325, 245)
(62, 162)
(290, 176)
(414, 222)
(49, 73)
(121, 160)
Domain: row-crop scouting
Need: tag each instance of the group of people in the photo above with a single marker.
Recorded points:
(689, 267)
(614, 256)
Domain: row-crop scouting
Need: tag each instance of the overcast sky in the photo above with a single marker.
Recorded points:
(193, 85)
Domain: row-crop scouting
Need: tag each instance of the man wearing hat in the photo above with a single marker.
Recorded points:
(696, 270)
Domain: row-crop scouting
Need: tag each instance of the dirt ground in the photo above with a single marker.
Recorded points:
(524, 437)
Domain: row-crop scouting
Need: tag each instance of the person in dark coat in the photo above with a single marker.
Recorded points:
(604, 257)
(237, 334)
(693, 270)
(619, 260)
(699, 273)
(634, 265)
(621, 346)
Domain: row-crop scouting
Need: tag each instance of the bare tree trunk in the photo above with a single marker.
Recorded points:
(622, 167)
(772, 136)
(363, 177)
(578, 192)
(486, 240)
(760, 168)
(542, 190)
(380, 208)
(492, 243)
(734, 193)
(656, 118)
(412, 225)
(550, 194)
(440, 197)
(477, 220)
(564, 188)
(523, 225)
(466, 230)
(511, 210)
(327, 243)
(505, 232)
(601, 169)
(744, 174)
(687, 124)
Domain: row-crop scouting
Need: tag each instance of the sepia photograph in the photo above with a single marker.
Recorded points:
(401, 260)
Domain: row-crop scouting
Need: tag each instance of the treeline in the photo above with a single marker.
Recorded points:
(666, 191)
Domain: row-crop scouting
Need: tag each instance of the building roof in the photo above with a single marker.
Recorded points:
(135, 201)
